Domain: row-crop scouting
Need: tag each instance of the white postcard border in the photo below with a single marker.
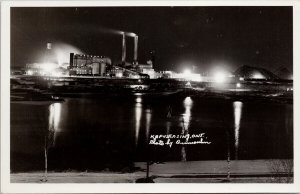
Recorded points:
(7, 187)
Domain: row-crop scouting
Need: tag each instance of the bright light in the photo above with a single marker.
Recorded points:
(119, 74)
(29, 72)
(242, 79)
(220, 77)
(196, 77)
(188, 75)
(187, 72)
(258, 76)
(48, 67)
(188, 101)
(238, 85)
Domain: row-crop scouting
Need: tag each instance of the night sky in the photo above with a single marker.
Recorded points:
(203, 37)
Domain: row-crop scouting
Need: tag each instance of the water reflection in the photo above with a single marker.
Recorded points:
(187, 103)
(168, 126)
(138, 116)
(186, 118)
(138, 99)
(168, 123)
(237, 106)
(93, 116)
(54, 120)
(148, 122)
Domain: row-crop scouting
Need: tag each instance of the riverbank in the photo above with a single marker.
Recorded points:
(241, 171)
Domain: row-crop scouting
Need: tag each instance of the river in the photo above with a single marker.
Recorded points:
(112, 132)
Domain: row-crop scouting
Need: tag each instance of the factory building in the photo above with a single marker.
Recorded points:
(88, 64)
(116, 72)
(146, 69)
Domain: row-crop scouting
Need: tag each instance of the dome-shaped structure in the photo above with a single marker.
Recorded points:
(249, 72)
(284, 73)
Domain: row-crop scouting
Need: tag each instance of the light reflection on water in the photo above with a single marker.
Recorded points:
(138, 116)
(54, 119)
(237, 106)
(186, 118)
(168, 126)
(78, 124)
(148, 123)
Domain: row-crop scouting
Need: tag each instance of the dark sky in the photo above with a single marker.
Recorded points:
(180, 36)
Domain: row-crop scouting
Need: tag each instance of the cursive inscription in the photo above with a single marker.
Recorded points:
(181, 139)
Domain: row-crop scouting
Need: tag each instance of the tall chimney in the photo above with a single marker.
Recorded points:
(71, 60)
(123, 48)
(135, 56)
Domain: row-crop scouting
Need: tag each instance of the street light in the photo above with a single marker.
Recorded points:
(219, 77)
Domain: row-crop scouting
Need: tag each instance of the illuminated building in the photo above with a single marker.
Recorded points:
(45, 69)
(116, 72)
(146, 69)
(88, 64)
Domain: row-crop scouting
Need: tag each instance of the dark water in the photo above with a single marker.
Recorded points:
(110, 132)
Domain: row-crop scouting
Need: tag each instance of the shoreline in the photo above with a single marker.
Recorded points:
(243, 171)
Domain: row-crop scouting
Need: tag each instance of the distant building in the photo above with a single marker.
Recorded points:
(88, 64)
(180, 76)
(249, 72)
(116, 72)
(146, 69)
(284, 73)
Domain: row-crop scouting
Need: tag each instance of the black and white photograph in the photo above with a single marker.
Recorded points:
(150, 94)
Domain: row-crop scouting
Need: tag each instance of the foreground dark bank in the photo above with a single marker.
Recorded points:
(240, 171)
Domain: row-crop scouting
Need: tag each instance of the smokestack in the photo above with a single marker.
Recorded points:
(71, 60)
(123, 48)
(135, 56)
